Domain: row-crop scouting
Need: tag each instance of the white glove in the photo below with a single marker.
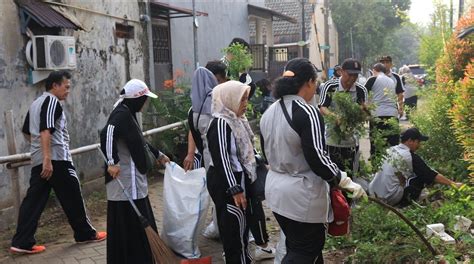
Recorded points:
(347, 184)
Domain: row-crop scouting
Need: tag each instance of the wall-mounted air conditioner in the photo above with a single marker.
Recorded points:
(51, 52)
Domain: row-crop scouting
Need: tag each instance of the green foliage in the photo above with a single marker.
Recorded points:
(380, 236)
(434, 38)
(172, 105)
(378, 137)
(368, 31)
(348, 118)
(403, 44)
(441, 151)
(239, 60)
(462, 116)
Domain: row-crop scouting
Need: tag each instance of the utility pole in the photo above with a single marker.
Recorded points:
(303, 28)
(326, 36)
(352, 45)
(451, 14)
(461, 9)
(195, 37)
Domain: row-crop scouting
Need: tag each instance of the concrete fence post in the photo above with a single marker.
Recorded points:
(14, 172)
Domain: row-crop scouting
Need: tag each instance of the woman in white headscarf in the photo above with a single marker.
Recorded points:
(232, 168)
(129, 157)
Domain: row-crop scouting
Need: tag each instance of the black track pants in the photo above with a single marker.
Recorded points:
(304, 241)
(231, 220)
(67, 188)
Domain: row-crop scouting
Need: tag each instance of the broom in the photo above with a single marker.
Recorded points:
(161, 252)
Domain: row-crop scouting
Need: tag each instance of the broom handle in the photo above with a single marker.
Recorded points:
(123, 188)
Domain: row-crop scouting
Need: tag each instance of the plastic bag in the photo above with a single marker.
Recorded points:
(185, 204)
(280, 249)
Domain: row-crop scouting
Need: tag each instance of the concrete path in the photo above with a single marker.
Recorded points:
(66, 251)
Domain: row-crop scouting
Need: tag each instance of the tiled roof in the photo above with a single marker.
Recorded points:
(290, 8)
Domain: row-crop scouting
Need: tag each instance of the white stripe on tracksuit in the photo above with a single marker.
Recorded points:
(239, 214)
(50, 112)
(109, 145)
(325, 89)
(72, 173)
(366, 98)
(317, 138)
(222, 135)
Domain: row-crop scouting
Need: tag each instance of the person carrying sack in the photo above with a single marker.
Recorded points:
(301, 171)
(129, 157)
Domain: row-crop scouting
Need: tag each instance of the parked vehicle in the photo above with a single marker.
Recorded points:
(419, 73)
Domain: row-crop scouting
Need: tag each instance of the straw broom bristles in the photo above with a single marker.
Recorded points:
(162, 254)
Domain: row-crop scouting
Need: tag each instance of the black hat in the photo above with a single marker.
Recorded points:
(351, 66)
(413, 133)
(385, 58)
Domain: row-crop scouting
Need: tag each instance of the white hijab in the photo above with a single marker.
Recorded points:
(226, 99)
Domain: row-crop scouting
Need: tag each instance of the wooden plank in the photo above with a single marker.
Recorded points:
(14, 173)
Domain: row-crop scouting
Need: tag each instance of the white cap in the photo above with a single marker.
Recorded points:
(136, 88)
(133, 89)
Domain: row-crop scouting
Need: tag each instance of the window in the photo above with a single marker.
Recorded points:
(124, 31)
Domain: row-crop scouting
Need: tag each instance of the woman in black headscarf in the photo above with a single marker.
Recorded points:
(129, 157)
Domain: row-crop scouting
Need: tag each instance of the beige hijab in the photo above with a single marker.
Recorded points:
(226, 99)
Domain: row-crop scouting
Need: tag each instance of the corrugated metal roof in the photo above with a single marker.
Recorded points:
(44, 15)
(174, 11)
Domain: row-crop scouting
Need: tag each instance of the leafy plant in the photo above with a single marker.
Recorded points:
(348, 118)
(441, 151)
(462, 116)
(238, 60)
(378, 136)
(171, 106)
(379, 236)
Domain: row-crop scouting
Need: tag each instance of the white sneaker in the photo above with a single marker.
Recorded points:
(211, 231)
(264, 253)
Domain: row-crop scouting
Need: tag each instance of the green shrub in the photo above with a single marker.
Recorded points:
(441, 151)
(239, 60)
(348, 119)
(380, 236)
(462, 116)
(172, 105)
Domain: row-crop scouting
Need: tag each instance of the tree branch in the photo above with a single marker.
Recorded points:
(409, 223)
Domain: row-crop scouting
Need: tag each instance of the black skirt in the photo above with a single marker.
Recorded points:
(126, 239)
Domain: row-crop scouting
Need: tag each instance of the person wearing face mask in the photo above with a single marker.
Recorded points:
(345, 152)
(301, 172)
(232, 168)
(129, 157)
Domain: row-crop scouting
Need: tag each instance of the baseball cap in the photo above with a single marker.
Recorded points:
(413, 133)
(136, 88)
(385, 58)
(351, 66)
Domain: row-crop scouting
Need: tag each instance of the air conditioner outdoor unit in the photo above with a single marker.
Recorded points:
(51, 52)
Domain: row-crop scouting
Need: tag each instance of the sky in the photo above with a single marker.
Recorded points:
(420, 11)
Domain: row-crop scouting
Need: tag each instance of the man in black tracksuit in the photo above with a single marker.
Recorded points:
(46, 127)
